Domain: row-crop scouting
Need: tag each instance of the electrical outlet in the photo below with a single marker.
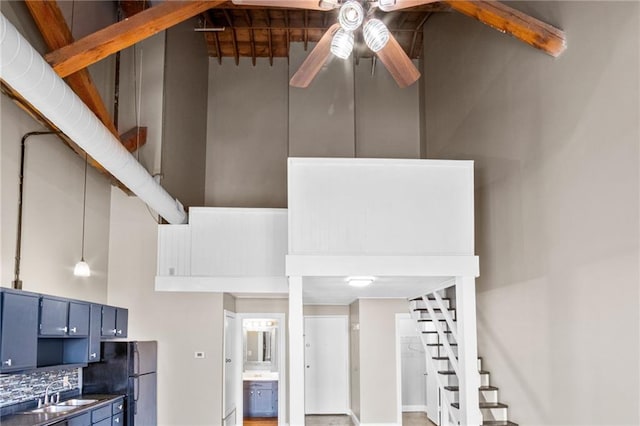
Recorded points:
(198, 354)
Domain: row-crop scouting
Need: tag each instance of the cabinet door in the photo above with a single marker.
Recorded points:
(78, 319)
(264, 398)
(53, 317)
(19, 339)
(95, 323)
(108, 321)
(122, 322)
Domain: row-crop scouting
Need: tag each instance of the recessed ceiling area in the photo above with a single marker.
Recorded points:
(336, 290)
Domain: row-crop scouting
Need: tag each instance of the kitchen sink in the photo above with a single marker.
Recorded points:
(76, 402)
(53, 409)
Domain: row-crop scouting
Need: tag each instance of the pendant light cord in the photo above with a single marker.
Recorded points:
(84, 204)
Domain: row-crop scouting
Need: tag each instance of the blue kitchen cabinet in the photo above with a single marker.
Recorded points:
(115, 322)
(54, 317)
(63, 317)
(79, 315)
(95, 325)
(18, 331)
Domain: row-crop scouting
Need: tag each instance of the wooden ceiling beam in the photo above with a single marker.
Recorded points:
(236, 52)
(511, 21)
(134, 139)
(119, 36)
(415, 34)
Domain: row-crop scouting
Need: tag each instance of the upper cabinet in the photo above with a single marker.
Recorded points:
(115, 322)
(19, 337)
(62, 317)
(41, 330)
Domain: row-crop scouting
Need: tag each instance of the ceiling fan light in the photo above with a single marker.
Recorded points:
(376, 34)
(342, 43)
(351, 15)
(385, 4)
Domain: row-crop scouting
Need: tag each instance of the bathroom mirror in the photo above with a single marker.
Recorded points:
(260, 339)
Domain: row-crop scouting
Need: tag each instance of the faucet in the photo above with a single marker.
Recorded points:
(49, 399)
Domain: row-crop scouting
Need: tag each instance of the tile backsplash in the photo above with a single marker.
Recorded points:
(15, 388)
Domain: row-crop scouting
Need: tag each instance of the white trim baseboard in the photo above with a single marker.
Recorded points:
(414, 408)
(354, 418)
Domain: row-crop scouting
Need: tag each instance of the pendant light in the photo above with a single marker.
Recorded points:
(82, 268)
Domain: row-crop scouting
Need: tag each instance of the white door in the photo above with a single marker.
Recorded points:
(230, 360)
(326, 378)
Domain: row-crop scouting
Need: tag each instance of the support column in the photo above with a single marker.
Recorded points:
(296, 353)
(469, 377)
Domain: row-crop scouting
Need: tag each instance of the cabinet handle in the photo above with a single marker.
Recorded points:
(114, 331)
(73, 330)
(7, 362)
(116, 420)
(119, 332)
(120, 407)
(65, 329)
(93, 355)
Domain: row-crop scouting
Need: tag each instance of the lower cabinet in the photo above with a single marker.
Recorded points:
(260, 399)
(107, 415)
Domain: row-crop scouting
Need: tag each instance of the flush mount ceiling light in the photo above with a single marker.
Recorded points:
(360, 281)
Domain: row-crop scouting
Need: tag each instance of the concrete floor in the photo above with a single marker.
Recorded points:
(408, 419)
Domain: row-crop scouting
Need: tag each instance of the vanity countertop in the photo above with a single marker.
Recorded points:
(260, 375)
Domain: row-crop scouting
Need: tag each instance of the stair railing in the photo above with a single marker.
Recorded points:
(447, 414)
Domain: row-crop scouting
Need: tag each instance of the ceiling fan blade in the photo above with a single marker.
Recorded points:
(390, 5)
(400, 67)
(316, 59)
(291, 4)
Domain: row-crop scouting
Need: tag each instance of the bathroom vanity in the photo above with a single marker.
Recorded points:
(260, 370)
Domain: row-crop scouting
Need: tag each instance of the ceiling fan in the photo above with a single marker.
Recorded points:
(339, 39)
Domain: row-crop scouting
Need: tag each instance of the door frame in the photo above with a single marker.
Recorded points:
(235, 355)
(347, 365)
(282, 363)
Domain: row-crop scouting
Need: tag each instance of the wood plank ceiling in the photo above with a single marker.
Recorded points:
(261, 32)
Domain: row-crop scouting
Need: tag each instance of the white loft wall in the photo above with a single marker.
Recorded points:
(237, 250)
(380, 207)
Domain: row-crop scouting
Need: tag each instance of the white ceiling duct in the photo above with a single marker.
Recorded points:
(22, 68)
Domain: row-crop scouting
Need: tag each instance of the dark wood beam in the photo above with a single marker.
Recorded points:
(119, 36)
(511, 21)
(134, 139)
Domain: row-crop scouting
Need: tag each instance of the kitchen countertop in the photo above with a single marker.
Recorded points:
(41, 419)
(257, 375)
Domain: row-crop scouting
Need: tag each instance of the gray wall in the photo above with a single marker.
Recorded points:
(53, 189)
(185, 114)
(557, 194)
(255, 121)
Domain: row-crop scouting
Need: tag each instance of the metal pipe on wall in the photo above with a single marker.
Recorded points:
(22, 68)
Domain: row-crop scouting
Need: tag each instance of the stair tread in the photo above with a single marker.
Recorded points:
(484, 405)
(429, 320)
(433, 331)
(431, 298)
(441, 344)
(482, 388)
(434, 309)
(443, 358)
(450, 372)
(498, 423)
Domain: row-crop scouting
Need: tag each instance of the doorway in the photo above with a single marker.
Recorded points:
(260, 394)
(411, 367)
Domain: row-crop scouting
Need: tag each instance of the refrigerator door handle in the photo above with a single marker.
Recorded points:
(136, 394)
(136, 358)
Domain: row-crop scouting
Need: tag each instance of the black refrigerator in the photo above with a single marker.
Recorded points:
(127, 368)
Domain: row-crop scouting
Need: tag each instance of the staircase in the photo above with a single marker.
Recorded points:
(437, 328)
